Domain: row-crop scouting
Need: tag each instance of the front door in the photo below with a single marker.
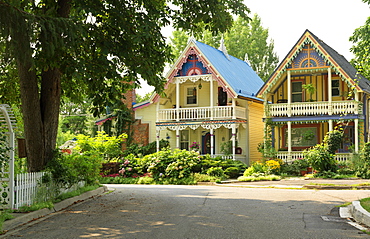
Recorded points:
(206, 143)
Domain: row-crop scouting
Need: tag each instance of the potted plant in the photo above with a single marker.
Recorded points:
(194, 146)
(310, 89)
(302, 165)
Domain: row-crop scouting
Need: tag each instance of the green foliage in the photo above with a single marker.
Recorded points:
(259, 177)
(216, 172)
(232, 172)
(151, 148)
(173, 164)
(5, 215)
(245, 38)
(310, 89)
(108, 147)
(198, 177)
(321, 157)
(35, 207)
(256, 167)
(146, 97)
(360, 48)
(67, 170)
(89, 50)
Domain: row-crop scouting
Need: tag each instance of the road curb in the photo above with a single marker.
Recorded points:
(359, 214)
(28, 217)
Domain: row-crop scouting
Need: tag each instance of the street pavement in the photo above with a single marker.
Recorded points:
(228, 210)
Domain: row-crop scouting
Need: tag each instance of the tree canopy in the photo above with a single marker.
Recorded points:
(90, 49)
(361, 47)
(245, 39)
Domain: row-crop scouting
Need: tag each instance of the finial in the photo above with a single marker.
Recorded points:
(223, 48)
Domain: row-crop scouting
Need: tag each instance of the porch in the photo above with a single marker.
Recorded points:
(314, 108)
(202, 113)
(291, 156)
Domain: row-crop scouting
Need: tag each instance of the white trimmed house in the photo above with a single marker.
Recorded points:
(209, 98)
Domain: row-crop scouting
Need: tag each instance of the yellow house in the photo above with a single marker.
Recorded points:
(311, 92)
(209, 104)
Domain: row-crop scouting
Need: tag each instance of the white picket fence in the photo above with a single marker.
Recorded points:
(25, 188)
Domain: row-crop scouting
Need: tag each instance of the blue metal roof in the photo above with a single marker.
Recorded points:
(238, 74)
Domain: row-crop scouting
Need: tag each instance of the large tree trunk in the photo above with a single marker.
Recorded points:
(40, 106)
(50, 104)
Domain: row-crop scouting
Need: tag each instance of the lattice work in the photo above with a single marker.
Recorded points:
(7, 124)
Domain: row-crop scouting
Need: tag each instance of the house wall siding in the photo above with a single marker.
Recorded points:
(255, 126)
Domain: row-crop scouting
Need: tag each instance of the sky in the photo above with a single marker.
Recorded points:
(333, 21)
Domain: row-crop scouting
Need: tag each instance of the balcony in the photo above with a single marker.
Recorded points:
(202, 113)
(314, 108)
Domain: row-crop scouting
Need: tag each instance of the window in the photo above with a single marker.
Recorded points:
(335, 88)
(184, 139)
(191, 96)
(297, 91)
(302, 136)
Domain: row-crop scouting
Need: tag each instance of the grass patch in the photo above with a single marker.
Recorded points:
(344, 204)
(259, 178)
(365, 203)
(35, 207)
(77, 192)
(332, 184)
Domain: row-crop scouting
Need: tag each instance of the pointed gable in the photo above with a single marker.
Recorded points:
(311, 53)
(234, 75)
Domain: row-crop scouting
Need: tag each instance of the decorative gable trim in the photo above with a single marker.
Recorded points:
(307, 38)
(193, 49)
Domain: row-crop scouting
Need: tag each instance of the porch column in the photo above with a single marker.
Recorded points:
(177, 101)
(330, 94)
(177, 138)
(289, 84)
(211, 96)
(356, 136)
(157, 139)
(356, 99)
(234, 111)
(233, 131)
(289, 137)
(212, 140)
(330, 125)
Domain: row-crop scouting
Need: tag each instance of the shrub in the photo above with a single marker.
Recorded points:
(151, 148)
(232, 172)
(67, 170)
(321, 156)
(215, 171)
(256, 167)
(167, 163)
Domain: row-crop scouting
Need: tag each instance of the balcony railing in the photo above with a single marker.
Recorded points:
(291, 156)
(202, 113)
(314, 108)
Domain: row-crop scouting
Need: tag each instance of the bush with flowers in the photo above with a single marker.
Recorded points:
(194, 146)
(171, 164)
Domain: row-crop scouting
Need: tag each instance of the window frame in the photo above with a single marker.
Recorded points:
(186, 95)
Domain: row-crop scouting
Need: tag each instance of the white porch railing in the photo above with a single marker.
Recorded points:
(314, 108)
(202, 113)
(289, 157)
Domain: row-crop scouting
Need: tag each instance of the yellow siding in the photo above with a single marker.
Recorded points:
(255, 125)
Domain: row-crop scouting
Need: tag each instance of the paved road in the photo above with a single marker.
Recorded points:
(148, 211)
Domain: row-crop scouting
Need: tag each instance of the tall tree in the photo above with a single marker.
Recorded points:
(361, 47)
(245, 39)
(91, 48)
